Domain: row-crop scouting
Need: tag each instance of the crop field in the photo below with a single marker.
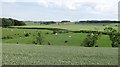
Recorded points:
(14, 54)
(74, 39)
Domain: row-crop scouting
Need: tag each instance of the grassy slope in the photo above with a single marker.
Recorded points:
(43, 54)
(75, 40)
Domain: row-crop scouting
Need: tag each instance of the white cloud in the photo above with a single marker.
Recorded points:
(91, 6)
(101, 6)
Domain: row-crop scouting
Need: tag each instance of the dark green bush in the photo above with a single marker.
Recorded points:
(90, 40)
(39, 38)
(27, 34)
(7, 37)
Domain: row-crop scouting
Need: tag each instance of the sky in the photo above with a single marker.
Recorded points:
(57, 10)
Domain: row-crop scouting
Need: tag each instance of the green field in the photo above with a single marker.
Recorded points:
(73, 27)
(19, 49)
(58, 55)
(75, 40)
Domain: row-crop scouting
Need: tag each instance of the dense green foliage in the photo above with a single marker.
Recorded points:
(58, 55)
(39, 38)
(11, 22)
(90, 40)
(114, 38)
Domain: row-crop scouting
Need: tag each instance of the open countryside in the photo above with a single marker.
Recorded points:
(62, 44)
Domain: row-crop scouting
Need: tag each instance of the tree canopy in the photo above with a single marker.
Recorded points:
(11, 22)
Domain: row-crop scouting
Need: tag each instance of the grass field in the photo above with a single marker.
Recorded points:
(74, 27)
(58, 55)
(75, 40)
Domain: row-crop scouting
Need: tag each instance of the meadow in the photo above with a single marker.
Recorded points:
(74, 27)
(73, 39)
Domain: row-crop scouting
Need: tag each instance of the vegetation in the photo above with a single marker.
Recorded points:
(62, 43)
(73, 39)
(58, 55)
(90, 40)
(39, 38)
(11, 22)
(114, 38)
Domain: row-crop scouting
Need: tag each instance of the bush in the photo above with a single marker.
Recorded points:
(49, 43)
(90, 40)
(66, 41)
(4, 38)
(39, 38)
(96, 45)
(7, 37)
(34, 42)
(27, 34)
(47, 33)
(115, 38)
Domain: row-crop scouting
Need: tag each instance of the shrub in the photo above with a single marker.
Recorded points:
(115, 38)
(90, 40)
(34, 42)
(47, 33)
(7, 37)
(96, 45)
(27, 34)
(39, 38)
(17, 43)
(4, 38)
(49, 43)
(66, 41)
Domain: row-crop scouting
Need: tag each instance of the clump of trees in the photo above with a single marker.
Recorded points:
(11, 22)
(115, 38)
(90, 40)
(39, 39)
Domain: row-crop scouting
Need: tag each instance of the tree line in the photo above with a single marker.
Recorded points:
(11, 22)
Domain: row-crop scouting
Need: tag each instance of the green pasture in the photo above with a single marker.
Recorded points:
(74, 27)
(73, 39)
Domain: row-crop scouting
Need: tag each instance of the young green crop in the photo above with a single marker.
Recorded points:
(58, 55)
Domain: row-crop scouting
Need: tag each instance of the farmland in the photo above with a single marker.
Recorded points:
(18, 35)
(60, 48)
(73, 27)
(58, 55)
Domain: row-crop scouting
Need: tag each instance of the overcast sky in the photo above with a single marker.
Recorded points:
(72, 10)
